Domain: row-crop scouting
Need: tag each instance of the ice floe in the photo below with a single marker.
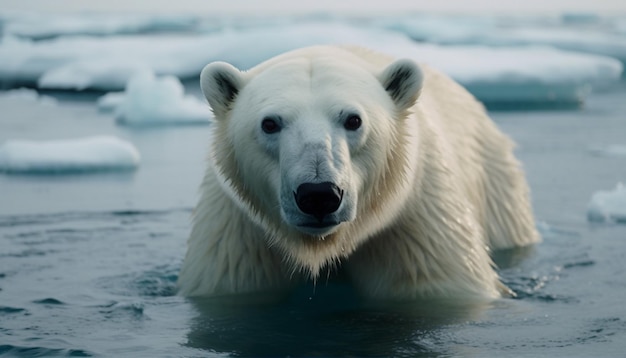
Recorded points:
(111, 101)
(608, 206)
(40, 26)
(587, 34)
(578, 40)
(89, 154)
(149, 100)
(28, 95)
(104, 63)
(491, 73)
(520, 74)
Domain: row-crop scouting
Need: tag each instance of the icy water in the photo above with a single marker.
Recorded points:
(88, 262)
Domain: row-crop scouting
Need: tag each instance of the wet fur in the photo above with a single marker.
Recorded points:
(444, 189)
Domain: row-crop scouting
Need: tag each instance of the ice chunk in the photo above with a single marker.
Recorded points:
(111, 101)
(149, 100)
(93, 73)
(580, 40)
(97, 63)
(608, 205)
(101, 153)
(580, 36)
(48, 25)
(442, 29)
(521, 74)
(29, 95)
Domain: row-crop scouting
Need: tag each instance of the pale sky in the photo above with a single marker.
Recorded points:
(208, 7)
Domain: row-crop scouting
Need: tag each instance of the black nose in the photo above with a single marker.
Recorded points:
(318, 200)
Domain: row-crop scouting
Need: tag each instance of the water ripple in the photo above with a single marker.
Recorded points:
(11, 310)
(49, 301)
(17, 351)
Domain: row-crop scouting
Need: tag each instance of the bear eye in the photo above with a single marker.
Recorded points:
(352, 123)
(269, 125)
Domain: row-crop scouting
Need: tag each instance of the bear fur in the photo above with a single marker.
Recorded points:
(423, 184)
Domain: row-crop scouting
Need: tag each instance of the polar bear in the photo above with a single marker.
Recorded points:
(335, 158)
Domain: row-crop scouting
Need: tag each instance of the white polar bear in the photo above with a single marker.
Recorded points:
(329, 158)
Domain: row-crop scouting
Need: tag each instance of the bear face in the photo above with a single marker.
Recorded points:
(298, 142)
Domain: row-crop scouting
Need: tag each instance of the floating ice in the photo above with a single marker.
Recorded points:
(98, 63)
(441, 29)
(94, 73)
(492, 74)
(567, 34)
(566, 39)
(149, 100)
(102, 153)
(111, 101)
(522, 74)
(26, 94)
(39, 26)
(608, 205)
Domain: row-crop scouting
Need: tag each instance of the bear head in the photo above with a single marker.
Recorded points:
(312, 146)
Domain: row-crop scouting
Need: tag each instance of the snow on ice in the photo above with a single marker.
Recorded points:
(149, 100)
(38, 26)
(520, 74)
(608, 206)
(491, 73)
(100, 153)
(595, 35)
(28, 95)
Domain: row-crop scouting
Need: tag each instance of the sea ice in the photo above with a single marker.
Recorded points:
(608, 205)
(441, 29)
(104, 63)
(567, 39)
(101, 153)
(111, 101)
(96, 73)
(522, 74)
(38, 26)
(150, 100)
(492, 74)
(563, 34)
(27, 94)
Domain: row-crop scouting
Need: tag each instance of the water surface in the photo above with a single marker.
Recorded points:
(88, 263)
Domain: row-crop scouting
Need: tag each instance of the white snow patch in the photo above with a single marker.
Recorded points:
(101, 153)
(608, 206)
(150, 100)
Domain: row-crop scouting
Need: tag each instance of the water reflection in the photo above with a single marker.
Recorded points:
(508, 258)
(333, 321)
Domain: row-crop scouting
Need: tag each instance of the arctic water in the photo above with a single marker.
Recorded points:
(89, 261)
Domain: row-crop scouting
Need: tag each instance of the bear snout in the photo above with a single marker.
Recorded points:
(318, 199)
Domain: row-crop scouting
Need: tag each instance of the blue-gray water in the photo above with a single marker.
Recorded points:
(88, 262)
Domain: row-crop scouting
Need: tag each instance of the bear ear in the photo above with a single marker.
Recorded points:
(403, 81)
(220, 83)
